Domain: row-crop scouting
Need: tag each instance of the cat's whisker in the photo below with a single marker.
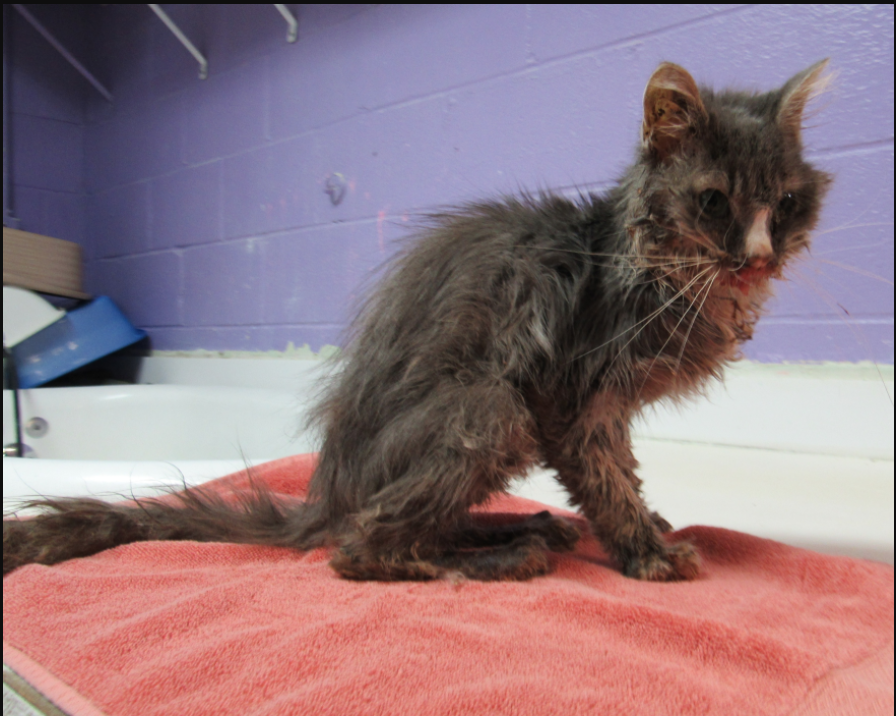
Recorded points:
(687, 335)
(684, 263)
(660, 273)
(647, 262)
(698, 238)
(724, 239)
(850, 225)
(630, 328)
(840, 284)
(856, 270)
(646, 321)
(621, 255)
(674, 263)
(844, 227)
(647, 267)
(663, 275)
(852, 248)
(844, 316)
(703, 241)
(678, 260)
(674, 330)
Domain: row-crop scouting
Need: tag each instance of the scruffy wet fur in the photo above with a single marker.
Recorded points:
(521, 332)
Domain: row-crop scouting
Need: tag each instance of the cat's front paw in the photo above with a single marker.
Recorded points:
(679, 561)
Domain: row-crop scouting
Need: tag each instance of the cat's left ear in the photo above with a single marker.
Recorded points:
(796, 92)
(672, 108)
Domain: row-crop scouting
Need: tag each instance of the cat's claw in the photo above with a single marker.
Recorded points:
(679, 561)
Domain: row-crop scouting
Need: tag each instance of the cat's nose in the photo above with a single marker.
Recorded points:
(758, 242)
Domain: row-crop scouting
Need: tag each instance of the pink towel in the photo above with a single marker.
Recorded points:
(184, 628)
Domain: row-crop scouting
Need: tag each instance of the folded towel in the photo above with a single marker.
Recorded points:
(165, 628)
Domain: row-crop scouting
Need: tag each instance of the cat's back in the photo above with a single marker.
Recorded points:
(494, 282)
(478, 251)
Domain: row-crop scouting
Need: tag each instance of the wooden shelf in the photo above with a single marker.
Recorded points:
(42, 263)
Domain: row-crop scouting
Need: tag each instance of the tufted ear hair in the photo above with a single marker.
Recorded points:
(672, 107)
(796, 92)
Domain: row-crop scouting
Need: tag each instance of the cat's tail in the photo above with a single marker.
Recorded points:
(78, 527)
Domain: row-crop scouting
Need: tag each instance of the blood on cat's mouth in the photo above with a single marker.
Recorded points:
(751, 274)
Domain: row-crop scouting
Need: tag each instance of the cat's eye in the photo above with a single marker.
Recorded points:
(713, 203)
(787, 205)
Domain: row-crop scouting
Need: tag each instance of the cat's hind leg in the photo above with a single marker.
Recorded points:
(512, 551)
(522, 558)
(558, 534)
(431, 463)
(479, 551)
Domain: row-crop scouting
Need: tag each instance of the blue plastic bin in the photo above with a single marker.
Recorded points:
(78, 338)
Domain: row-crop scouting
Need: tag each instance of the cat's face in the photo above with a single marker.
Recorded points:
(725, 179)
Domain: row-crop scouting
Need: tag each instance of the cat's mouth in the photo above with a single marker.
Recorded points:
(750, 275)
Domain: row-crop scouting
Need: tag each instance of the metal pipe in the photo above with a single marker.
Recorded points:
(11, 379)
(293, 32)
(35, 23)
(184, 40)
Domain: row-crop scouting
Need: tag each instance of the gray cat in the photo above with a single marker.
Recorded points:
(520, 332)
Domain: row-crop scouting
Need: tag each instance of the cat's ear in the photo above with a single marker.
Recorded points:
(796, 92)
(672, 107)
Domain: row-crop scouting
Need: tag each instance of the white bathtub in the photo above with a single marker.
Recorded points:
(804, 456)
(117, 439)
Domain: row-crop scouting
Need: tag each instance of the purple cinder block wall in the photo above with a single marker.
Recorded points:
(47, 101)
(202, 205)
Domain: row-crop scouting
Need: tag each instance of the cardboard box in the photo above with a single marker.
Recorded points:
(42, 263)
